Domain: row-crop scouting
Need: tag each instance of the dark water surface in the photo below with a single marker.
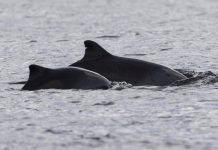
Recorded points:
(179, 34)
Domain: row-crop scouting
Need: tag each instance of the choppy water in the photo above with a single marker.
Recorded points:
(179, 34)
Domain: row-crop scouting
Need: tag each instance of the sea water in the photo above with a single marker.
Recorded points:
(179, 34)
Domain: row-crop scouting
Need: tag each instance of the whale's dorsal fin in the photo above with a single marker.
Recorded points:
(36, 71)
(94, 51)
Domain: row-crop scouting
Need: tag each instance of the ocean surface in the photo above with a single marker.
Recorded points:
(181, 34)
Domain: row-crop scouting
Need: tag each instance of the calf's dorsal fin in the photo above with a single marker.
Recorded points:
(36, 71)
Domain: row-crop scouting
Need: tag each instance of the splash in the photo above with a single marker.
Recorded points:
(120, 85)
(194, 77)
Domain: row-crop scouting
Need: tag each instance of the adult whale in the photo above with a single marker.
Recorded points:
(64, 78)
(134, 71)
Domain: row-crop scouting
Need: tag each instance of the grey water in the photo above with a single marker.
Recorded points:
(179, 34)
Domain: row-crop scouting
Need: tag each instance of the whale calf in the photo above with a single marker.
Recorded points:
(133, 71)
(64, 78)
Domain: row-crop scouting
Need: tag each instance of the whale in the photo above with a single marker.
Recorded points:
(134, 71)
(64, 78)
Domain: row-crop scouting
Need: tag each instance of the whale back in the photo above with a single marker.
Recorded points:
(134, 71)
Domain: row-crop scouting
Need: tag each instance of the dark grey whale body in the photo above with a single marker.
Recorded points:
(136, 72)
(64, 78)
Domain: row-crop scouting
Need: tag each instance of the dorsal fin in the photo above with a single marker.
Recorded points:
(36, 71)
(94, 51)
